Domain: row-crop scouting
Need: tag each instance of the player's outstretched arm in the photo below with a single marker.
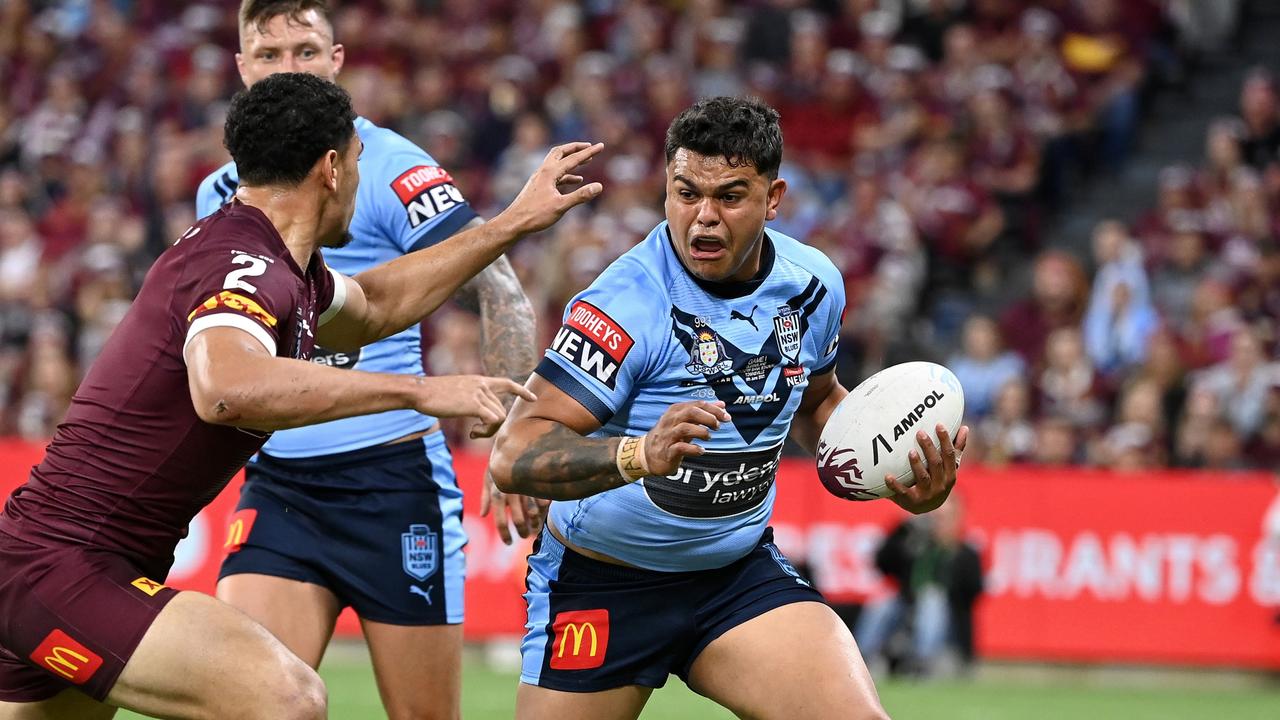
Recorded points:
(542, 451)
(820, 400)
(233, 380)
(386, 299)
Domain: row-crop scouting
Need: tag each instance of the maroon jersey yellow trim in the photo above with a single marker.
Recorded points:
(237, 303)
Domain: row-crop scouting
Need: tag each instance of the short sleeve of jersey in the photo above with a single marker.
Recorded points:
(603, 347)
(418, 204)
(240, 286)
(831, 317)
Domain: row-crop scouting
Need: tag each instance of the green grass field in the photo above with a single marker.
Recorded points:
(490, 695)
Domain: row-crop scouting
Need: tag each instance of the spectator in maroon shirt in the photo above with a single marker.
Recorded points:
(1005, 159)
(1057, 443)
(929, 25)
(1069, 386)
(996, 23)
(1263, 450)
(1164, 367)
(957, 219)
(820, 131)
(953, 80)
(1058, 294)
(1223, 158)
(872, 240)
(1008, 433)
(1177, 210)
(889, 129)
(1260, 109)
(1106, 54)
(1213, 322)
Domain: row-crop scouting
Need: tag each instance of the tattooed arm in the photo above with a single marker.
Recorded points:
(507, 348)
(507, 321)
(542, 451)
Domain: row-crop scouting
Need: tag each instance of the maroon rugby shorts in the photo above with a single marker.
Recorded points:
(70, 617)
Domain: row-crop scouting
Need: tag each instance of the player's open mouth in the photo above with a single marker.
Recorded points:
(704, 248)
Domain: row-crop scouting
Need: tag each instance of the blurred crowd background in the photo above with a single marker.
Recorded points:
(929, 144)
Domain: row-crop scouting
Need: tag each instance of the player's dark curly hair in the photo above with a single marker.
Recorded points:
(277, 129)
(260, 12)
(742, 130)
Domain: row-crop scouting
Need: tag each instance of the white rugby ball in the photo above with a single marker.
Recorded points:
(874, 427)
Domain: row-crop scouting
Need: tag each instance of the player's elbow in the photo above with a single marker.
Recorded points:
(225, 404)
(502, 467)
(217, 408)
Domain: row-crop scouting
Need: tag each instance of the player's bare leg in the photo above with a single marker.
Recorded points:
(66, 704)
(814, 671)
(624, 703)
(202, 658)
(300, 614)
(418, 669)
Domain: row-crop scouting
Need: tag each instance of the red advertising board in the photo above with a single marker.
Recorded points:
(1160, 567)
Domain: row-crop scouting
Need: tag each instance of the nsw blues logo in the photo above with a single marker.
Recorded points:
(421, 549)
(787, 330)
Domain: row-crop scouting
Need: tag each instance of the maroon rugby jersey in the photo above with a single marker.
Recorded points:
(132, 463)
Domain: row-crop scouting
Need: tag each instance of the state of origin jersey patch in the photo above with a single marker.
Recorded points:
(426, 191)
(594, 342)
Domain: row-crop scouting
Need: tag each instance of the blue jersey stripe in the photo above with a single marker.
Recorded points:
(824, 369)
(572, 387)
(452, 223)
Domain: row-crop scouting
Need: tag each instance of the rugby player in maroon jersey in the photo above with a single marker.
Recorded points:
(211, 358)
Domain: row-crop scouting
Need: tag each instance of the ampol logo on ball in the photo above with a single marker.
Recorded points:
(1159, 567)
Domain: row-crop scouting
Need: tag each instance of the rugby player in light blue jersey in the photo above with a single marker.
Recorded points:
(366, 512)
(663, 405)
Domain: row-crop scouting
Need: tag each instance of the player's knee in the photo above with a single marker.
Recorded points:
(311, 696)
(299, 694)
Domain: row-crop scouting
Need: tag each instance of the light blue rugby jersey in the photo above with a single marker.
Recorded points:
(647, 334)
(405, 202)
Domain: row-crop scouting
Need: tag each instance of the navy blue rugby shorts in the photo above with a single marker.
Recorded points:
(594, 625)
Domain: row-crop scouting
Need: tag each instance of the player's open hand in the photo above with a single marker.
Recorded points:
(526, 514)
(935, 472)
(671, 440)
(550, 191)
(469, 396)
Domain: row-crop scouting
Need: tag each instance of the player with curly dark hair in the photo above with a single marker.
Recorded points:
(277, 132)
(365, 513)
(212, 357)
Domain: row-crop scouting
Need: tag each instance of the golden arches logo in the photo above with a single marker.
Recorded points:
(239, 529)
(66, 657)
(57, 661)
(578, 631)
(235, 534)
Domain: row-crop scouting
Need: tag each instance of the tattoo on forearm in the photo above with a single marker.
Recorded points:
(563, 465)
(507, 321)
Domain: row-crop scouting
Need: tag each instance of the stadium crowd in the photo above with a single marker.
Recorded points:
(928, 141)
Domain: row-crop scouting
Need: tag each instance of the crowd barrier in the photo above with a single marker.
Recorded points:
(1165, 567)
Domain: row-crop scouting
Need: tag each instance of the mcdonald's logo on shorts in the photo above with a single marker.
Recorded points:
(581, 639)
(239, 529)
(66, 658)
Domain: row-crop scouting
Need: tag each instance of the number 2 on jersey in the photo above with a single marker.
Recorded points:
(234, 281)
